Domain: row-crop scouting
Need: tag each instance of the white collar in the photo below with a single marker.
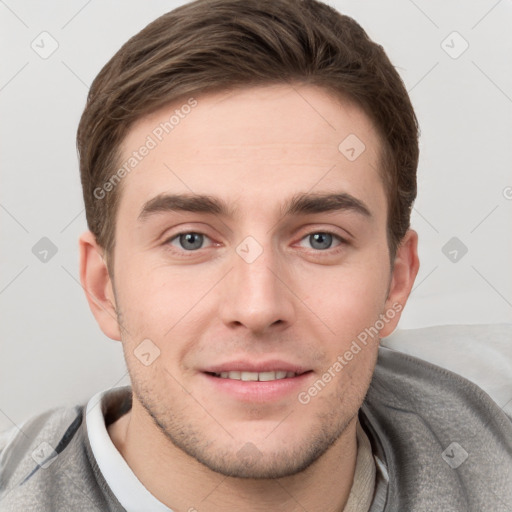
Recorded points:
(128, 489)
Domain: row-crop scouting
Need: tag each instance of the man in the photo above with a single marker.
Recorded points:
(248, 170)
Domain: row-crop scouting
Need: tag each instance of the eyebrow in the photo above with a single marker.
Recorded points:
(299, 204)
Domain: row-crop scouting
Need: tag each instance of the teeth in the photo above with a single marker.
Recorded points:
(266, 376)
(248, 376)
(256, 376)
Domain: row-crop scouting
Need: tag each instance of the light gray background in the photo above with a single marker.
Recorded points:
(51, 350)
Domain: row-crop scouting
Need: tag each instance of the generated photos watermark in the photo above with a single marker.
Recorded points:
(343, 360)
(152, 141)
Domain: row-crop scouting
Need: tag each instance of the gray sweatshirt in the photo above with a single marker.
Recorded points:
(445, 446)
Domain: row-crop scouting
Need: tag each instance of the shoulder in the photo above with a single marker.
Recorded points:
(404, 381)
(37, 457)
(440, 432)
(481, 353)
(33, 438)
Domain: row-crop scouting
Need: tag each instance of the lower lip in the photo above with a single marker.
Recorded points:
(257, 391)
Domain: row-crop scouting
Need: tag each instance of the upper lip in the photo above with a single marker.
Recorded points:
(251, 366)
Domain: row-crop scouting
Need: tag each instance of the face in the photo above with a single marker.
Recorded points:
(251, 260)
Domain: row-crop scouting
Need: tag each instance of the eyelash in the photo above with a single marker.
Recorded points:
(330, 251)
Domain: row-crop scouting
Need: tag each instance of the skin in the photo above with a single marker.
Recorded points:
(299, 301)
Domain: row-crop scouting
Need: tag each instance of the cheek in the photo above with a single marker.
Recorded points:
(351, 298)
(163, 303)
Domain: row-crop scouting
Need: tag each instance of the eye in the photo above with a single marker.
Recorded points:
(322, 240)
(190, 240)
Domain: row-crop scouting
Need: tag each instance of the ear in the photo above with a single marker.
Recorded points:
(97, 285)
(405, 269)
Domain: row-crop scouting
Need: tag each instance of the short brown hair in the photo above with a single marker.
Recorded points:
(212, 45)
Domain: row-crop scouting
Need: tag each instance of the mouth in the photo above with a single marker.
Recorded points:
(249, 376)
(262, 382)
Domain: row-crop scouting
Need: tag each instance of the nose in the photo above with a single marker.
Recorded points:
(256, 292)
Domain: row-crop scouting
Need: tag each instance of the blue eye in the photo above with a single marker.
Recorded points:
(321, 240)
(189, 241)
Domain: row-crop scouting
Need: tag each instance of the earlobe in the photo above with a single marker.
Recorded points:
(98, 286)
(405, 269)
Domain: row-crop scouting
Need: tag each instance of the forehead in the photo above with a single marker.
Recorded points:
(253, 143)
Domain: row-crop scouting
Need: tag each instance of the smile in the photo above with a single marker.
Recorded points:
(256, 376)
(248, 385)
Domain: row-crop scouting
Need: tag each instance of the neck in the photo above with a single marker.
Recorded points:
(184, 484)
